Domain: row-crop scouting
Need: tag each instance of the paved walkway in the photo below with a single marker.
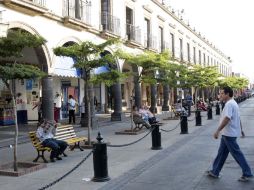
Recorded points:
(179, 165)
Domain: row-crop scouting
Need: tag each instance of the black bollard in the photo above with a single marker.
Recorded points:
(222, 105)
(156, 137)
(217, 109)
(100, 160)
(184, 123)
(198, 118)
(209, 112)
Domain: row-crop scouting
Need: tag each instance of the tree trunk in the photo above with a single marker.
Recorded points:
(15, 165)
(88, 111)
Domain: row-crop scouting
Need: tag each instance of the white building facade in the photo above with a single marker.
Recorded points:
(141, 24)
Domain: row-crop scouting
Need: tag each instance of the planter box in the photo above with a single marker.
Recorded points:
(23, 168)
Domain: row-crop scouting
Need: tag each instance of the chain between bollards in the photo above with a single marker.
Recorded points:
(65, 175)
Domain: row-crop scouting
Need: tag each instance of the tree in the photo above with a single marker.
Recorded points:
(152, 65)
(89, 56)
(11, 49)
(200, 77)
(236, 83)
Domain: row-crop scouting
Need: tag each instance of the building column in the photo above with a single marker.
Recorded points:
(137, 96)
(153, 107)
(117, 115)
(47, 98)
(77, 9)
(165, 106)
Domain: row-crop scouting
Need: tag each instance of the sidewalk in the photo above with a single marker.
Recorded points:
(7, 132)
(179, 165)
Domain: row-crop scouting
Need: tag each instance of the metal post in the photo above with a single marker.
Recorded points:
(184, 123)
(117, 115)
(47, 98)
(100, 160)
(153, 107)
(131, 113)
(156, 137)
(217, 108)
(209, 112)
(198, 118)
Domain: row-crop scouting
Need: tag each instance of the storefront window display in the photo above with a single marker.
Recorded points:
(6, 106)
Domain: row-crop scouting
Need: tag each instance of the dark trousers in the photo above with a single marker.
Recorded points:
(71, 116)
(229, 145)
(57, 146)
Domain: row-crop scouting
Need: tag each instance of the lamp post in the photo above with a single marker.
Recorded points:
(131, 102)
(3, 26)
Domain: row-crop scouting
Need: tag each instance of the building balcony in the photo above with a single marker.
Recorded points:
(163, 46)
(133, 34)
(150, 42)
(110, 25)
(31, 7)
(77, 14)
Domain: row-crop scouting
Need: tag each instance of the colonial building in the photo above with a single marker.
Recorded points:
(141, 24)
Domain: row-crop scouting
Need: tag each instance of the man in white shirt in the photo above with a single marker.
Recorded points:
(230, 128)
(45, 133)
(72, 107)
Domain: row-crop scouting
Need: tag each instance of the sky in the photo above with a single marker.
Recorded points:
(228, 24)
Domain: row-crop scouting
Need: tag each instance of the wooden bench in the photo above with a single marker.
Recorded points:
(140, 123)
(65, 133)
(173, 109)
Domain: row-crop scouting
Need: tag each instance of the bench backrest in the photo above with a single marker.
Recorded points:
(137, 119)
(65, 132)
(35, 141)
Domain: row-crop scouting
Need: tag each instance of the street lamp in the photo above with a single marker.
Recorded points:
(3, 26)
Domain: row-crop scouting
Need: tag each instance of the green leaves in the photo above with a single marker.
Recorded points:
(16, 41)
(150, 63)
(200, 76)
(89, 56)
(108, 78)
(20, 71)
(12, 46)
(234, 82)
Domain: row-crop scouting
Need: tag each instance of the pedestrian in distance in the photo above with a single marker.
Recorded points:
(72, 108)
(230, 128)
(38, 105)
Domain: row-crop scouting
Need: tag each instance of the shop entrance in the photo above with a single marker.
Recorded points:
(66, 91)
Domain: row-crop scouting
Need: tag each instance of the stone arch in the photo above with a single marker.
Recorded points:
(42, 52)
(69, 39)
(65, 40)
(109, 50)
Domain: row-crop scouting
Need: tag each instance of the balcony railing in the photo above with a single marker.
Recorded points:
(150, 42)
(133, 33)
(110, 23)
(163, 46)
(80, 10)
(40, 2)
(31, 7)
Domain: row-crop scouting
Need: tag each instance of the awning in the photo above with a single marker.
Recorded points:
(102, 69)
(64, 67)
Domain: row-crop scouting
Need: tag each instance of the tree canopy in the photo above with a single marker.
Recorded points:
(89, 56)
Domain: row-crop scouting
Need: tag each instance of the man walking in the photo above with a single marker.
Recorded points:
(230, 127)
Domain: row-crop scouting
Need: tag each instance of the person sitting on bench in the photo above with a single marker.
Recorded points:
(138, 116)
(45, 133)
(151, 118)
